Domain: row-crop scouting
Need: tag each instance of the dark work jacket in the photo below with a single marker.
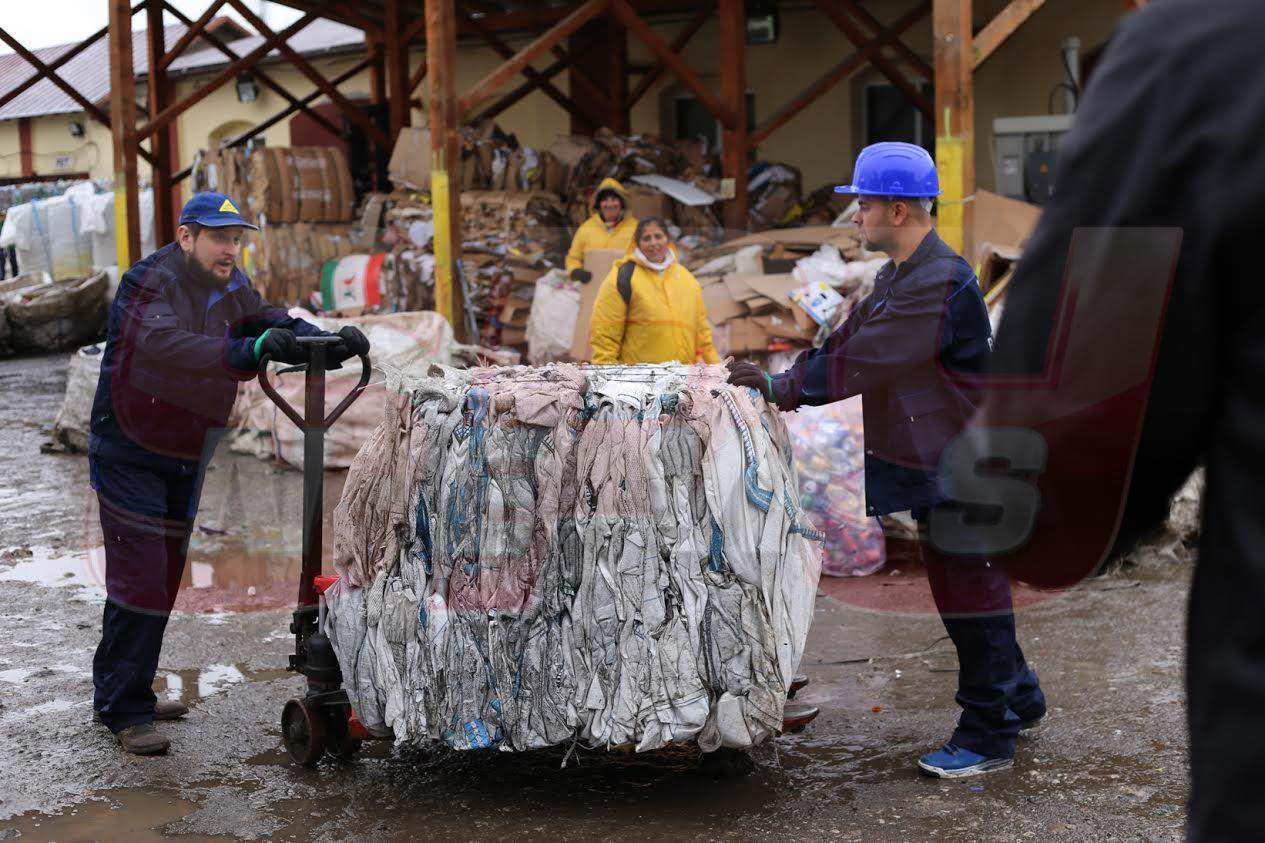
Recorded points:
(174, 353)
(1168, 135)
(912, 349)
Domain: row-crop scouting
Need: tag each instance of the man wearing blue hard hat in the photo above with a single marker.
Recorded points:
(184, 328)
(912, 349)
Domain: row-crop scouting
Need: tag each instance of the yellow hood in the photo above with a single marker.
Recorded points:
(614, 187)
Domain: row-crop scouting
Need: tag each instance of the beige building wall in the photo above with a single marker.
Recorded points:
(821, 141)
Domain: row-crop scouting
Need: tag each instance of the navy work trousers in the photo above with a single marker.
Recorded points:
(147, 507)
(996, 689)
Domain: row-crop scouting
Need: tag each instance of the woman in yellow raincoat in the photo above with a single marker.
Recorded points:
(650, 308)
(610, 227)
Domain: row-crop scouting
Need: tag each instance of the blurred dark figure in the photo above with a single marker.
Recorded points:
(1169, 135)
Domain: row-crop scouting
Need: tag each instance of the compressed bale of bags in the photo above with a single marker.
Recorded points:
(72, 425)
(63, 314)
(609, 555)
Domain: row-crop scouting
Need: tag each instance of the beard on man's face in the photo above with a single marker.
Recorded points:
(202, 275)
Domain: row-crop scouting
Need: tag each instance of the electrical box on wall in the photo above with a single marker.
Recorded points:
(763, 25)
(1024, 153)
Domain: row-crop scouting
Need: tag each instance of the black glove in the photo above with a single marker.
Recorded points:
(281, 345)
(354, 343)
(581, 275)
(749, 374)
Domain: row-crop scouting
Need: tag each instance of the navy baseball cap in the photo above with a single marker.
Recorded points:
(214, 210)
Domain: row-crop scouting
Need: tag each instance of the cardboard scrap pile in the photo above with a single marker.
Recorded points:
(777, 291)
(1002, 228)
(285, 261)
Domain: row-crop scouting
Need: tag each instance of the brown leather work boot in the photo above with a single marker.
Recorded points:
(143, 739)
(170, 710)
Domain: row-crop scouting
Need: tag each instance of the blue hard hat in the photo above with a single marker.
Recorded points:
(893, 168)
(214, 210)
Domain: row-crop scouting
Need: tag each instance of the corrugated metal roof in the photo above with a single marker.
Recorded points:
(88, 73)
(319, 36)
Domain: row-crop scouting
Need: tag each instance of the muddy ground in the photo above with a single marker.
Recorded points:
(1110, 763)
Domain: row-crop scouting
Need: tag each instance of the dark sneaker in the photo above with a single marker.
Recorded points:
(170, 710)
(143, 739)
(954, 762)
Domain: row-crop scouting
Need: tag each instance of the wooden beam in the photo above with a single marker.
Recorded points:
(264, 79)
(955, 124)
(893, 73)
(398, 89)
(1002, 27)
(127, 215)
(160, 120)
(733, 89)
(26, 156)
(445, 181)
(163, 144)
(304, 67)
(850, 65)
(26, 83)
(678, 44)
(491, 83)
(911, 58)
(418, 75)
(505, 51)
(521, 91)
(675, 63)
(47, 73)
(617, 97)
(195, 28)
(340, 12)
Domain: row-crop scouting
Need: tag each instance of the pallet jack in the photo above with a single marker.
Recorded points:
(322, 721)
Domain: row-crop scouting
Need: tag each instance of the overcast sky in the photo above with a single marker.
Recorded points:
(43, 23)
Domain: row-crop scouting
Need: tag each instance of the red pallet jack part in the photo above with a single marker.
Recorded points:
(798, 683)
(356, 729)
(795, 718)
(324, 582)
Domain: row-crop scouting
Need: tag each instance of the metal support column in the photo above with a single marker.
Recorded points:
(955, 123)
(127, 217)
(733, 93)
(445, 179)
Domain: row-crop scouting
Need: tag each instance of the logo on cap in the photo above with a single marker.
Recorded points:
(226, 205)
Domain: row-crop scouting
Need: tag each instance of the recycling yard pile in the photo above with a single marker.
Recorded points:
(535, 556)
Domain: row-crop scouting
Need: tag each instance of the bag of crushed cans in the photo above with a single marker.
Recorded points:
(829, 449)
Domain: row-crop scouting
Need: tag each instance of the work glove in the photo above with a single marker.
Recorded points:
(581, 275)
(354, 343)
(281, 345)
(751, 375)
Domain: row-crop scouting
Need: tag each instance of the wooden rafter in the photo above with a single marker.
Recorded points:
(264, 79)
(506, 52)
(915, 61)
(638, 27)
(893, 73)
(163, 118)
(193, 30)
(398, 90)
(341, 12)
(524, 57)
(52, 66)
(678, 44)
(522, 90)
(1002, 27)
(305, 67)
(46, 72)
(849, 65)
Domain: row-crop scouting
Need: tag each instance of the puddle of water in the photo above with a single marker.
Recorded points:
(191, 686)
(49, 568)
(133, 814)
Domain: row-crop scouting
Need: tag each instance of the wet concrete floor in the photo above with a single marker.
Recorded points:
(1110, 763)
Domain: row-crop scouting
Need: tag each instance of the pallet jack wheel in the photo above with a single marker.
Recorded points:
(303, 732)
(340, 745)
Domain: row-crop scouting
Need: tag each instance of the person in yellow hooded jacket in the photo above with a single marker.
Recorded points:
(650, 308)
(610, 227)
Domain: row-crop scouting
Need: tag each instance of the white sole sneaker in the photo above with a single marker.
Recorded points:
(989, 766)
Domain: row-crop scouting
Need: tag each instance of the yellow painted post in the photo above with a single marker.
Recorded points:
(955, 129)
(443, 240)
